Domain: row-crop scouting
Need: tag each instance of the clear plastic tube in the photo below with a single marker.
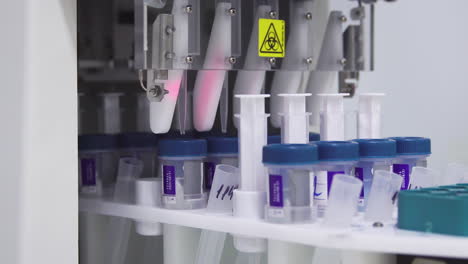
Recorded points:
(343, 201)
(129, 170)
(382, 197)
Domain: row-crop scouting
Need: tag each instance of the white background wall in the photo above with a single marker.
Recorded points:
(38, 144)
(422, 65)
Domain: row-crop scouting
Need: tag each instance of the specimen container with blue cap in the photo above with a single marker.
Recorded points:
(289, 188)
(182, 172)
(411, 152)
(374, 154)
(335, 157)
(220, 150)
(98, 159)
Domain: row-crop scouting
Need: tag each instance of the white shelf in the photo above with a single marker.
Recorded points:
(361, 237)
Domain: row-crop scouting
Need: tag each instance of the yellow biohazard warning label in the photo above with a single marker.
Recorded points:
(271, 35)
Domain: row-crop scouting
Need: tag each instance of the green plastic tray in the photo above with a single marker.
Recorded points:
(441, 210)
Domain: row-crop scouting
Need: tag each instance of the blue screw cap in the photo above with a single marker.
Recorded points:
(290, 154)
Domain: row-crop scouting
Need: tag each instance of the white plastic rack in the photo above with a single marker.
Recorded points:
(361, 236)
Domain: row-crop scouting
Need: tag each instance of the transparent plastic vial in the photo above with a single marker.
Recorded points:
(411, 152)
(221, 150)
(335, 157)
(142, 146)
(98, 159)
(375, 154)
(181, 167)
(289, 169)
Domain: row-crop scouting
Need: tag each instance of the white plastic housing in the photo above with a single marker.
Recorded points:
(332, 117)
(251, 81)
(370, 115)
(209, 83)
(382, 196)
(295, 120)
(343, 201)
(148, 193)
(297, 52)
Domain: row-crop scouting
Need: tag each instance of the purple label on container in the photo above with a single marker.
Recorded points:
(209, 169)
(404, 171)
(276, 190)
(330, 175)
(169, 180)
(359, 173)
(88, 172)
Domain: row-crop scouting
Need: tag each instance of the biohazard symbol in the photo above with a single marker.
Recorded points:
(271, 38)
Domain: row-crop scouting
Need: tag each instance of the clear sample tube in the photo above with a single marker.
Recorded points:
(343, 201)
(142, 146)
(382, 197)
(370, 116)
(182, 174)
(289, 167)
(375, 154)
(335, 157)
(98, 160)
(455, 173)
(423, 178)
(411, 152)
(110, 113)
(129, 170)
(221, 150)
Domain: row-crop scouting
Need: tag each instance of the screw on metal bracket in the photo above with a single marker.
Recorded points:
(309, 60)
(158, 92)
(170, 55)
(188, 9)
(272, 14)
(232, 11)
(342, 61)
(343, 18)
(272, 61)
(358, 13)
(232, 60)
(377, 224)
(170, 30)
(308, 16)
(189, 59)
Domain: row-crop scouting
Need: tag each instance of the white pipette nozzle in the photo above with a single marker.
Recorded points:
(369, 118)
(332, 116)
(294, 119)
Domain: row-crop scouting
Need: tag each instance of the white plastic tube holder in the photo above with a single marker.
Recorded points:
(148, 193)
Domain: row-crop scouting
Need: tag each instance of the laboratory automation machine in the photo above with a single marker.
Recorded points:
(219, 132)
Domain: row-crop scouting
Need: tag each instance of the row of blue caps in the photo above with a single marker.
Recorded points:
(273, 153)
(331, 151)
(169, 147)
